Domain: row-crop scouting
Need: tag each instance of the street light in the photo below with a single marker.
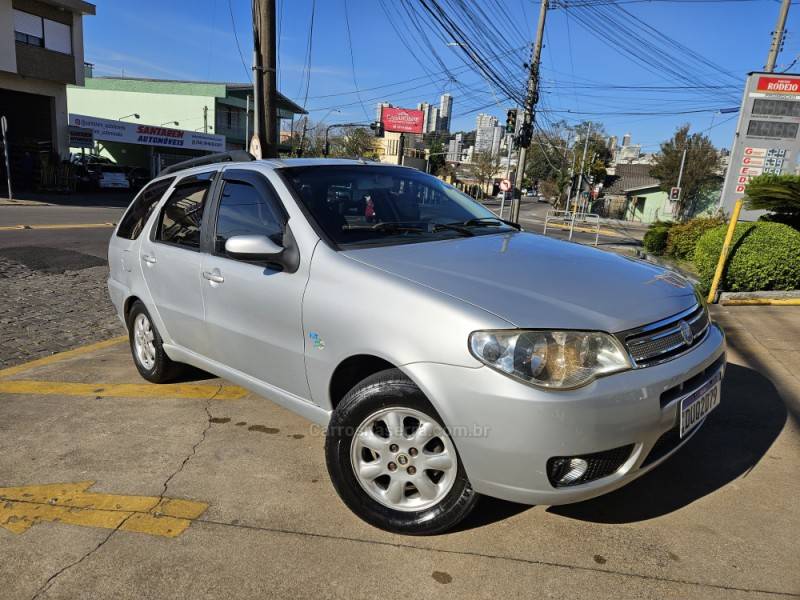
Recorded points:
(209, 127)
(169, 123)
(134, 115)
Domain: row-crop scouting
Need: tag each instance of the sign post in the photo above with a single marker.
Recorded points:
(4, 129)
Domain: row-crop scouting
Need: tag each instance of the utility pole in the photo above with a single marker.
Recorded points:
(205, 119)
(247, 122)
(680, 175)
(529, 110)
(583, 166)
(265, 70)
(777, 37)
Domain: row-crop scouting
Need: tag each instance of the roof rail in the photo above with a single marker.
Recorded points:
(209, 159)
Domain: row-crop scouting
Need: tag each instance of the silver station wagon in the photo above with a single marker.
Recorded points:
(448, 353)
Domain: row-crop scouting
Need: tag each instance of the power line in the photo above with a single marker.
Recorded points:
(352, 59)
(238, 46)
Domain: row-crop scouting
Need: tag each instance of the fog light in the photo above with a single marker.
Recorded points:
(575, 470)
(564, 471)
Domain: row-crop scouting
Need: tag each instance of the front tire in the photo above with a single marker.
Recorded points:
(391, 460)
(147, 347)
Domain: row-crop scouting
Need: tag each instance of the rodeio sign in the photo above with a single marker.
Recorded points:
(778, 85)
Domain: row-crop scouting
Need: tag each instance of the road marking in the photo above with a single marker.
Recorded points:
(57, 226)
(180, 391)
(605, 232)
(22, 507)
(54, 358)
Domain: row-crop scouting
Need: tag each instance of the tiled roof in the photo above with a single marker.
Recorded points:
(629, 177)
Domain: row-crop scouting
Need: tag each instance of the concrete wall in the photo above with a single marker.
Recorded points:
(649, 206)
(8, 55)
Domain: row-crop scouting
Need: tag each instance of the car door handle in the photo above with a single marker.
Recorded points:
(213, 276)
(151, 260)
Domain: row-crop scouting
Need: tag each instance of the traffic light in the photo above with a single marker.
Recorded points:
(674, 194)
(511, 120)
(525, 135)
(377, 127)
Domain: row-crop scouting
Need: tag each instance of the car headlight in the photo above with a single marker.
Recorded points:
(550, 359)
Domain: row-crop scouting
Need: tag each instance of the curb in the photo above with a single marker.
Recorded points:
(787, 298)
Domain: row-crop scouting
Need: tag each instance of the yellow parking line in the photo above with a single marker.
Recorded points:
(23, 507)
(48, 360)
(606, 232)
(183, 391)
(57, 226)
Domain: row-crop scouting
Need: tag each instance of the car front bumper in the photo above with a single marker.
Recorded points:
(505, 431)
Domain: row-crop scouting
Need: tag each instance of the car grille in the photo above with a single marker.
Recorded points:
(655, 343)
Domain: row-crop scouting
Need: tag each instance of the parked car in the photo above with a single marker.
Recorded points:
(449, 353)
(97, 172)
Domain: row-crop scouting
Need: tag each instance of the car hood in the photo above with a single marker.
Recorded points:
(537, 282)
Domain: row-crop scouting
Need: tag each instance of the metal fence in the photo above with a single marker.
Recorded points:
(583, 221)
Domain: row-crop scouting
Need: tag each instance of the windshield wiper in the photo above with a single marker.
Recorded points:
(488, 222)
(453, 227)
(389, 226)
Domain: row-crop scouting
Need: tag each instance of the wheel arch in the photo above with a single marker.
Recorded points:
(353, 369)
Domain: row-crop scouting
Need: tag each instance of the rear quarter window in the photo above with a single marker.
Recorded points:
(134, 220)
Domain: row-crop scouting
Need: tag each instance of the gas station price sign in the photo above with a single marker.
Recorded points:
(767, 136)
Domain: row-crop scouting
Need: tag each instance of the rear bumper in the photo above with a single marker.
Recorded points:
(505, 431)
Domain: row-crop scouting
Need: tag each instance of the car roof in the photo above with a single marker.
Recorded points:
(275, 163)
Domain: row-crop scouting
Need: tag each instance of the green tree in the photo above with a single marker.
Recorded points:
(484, 167)
(437, 157)
(700, 170)
(355, 142)
(779, 194)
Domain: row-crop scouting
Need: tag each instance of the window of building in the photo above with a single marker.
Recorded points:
(182, 215)
(37, 31)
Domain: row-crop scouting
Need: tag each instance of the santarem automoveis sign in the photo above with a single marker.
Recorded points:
(149, 135)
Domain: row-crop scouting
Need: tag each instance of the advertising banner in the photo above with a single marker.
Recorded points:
(109, 130)
(402, 120)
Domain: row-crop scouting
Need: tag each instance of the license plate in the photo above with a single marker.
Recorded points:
(697, 405)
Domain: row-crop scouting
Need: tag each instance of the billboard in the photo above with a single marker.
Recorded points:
(149, 135)
(402, 120)
(766, 139)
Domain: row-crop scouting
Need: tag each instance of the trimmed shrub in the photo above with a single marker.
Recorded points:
(763, 256)
(683, 237)
(655, 238)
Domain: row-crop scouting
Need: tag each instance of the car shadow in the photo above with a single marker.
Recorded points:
(732, 441)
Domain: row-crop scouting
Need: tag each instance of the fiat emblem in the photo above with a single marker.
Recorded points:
(686, 332)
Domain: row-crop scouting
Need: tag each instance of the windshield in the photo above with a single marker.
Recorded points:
(387, 205)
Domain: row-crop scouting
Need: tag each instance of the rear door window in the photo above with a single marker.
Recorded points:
(142, 207)
(182, 216)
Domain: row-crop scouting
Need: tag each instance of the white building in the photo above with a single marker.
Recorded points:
(484, 132)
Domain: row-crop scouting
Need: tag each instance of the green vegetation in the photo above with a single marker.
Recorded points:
(763, 256)
(683, 237)
(655, 239)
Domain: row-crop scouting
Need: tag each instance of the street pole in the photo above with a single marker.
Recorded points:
(267, 37)
(777, 37)
(258, 94)
(247, 122)
(529, 111)
(680, 177)
(510, 141)
(583, 166)
(205, 119)
(4, 133)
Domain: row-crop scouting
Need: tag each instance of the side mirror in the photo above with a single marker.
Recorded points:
(260, 248)
(252, 247)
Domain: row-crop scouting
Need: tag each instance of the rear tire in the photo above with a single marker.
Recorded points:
(391, 460)
(147, 347)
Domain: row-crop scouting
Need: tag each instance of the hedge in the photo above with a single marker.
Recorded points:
(655, 238)
(683, 237)
(763, 256)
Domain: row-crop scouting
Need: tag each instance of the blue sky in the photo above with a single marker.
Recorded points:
(581, 61)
